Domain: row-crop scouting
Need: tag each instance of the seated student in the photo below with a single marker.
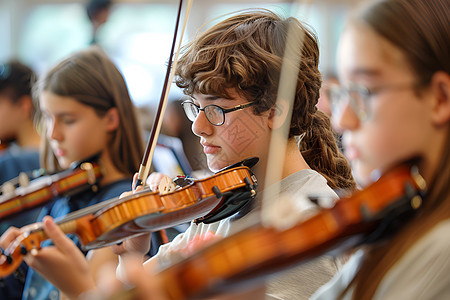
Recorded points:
(16, 121)
(85, 110)
(231, 74)
(394, 53)
(18, 132)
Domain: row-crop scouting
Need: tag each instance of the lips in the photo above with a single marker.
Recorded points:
(210, 148)
(60, 152)
(351, 153)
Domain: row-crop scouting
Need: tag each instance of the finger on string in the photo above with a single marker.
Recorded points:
(9, 236)
(59, 238)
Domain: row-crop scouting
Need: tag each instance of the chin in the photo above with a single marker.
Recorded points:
(63, 163)
(216, 164)
(362, 174)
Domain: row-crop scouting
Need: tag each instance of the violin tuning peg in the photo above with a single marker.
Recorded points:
(23, 250)
(9, 259)
(8, 188)
(24, 181)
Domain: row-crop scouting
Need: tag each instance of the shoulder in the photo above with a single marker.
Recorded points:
(293, 203)
(307, 182)
(14, 162)
(114, 189)
(422, 272)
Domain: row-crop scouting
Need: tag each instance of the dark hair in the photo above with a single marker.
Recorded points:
(245, 52)
(95, 6)
(420, 29)
(16, 79)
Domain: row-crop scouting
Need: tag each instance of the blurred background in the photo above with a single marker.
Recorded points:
(137, 34)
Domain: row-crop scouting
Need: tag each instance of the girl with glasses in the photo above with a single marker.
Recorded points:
(231, 74)
(397, 53)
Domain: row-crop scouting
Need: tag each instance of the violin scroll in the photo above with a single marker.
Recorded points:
(28, 242)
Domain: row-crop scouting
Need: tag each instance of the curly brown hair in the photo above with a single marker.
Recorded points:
(245, 53)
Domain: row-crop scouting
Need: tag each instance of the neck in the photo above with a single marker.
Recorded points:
(109, 170)
(292, 161)
(433, 156)
(27, 136)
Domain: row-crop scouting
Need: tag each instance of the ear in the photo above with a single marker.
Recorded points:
(26, 105)
(112, 119)
(440, 84)
(278, 114)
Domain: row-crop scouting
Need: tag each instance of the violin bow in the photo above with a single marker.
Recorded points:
(170, 72)
(286, 93)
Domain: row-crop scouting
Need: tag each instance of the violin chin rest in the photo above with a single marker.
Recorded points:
(248, 162)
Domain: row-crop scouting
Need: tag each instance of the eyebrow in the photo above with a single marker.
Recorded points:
(211, 97)
(60, 115)
(366, 72)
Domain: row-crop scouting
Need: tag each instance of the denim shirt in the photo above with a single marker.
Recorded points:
(36, 287)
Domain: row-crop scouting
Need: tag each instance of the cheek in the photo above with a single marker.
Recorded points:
(85, 141)
(394, 138)
(243, 134)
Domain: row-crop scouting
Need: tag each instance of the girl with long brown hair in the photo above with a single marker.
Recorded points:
(394, 56)
(84, 110)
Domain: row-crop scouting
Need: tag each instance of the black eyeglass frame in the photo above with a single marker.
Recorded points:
(223, 110)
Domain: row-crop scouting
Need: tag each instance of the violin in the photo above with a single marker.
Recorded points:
(3, 145)
(114, 220)
(367, 216)
(79, 177)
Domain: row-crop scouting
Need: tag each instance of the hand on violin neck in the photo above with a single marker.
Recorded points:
(9, 236)
(62, 264)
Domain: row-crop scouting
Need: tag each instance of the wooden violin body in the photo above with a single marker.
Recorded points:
(259, 251)
(3, 145)
(114, 220)
(43, 189)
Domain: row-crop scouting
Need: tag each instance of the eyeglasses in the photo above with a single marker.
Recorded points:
(214, 113)
(358, 97)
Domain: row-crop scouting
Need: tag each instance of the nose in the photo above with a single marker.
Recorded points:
(201, 126)
(53, 131)
(345, 119)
